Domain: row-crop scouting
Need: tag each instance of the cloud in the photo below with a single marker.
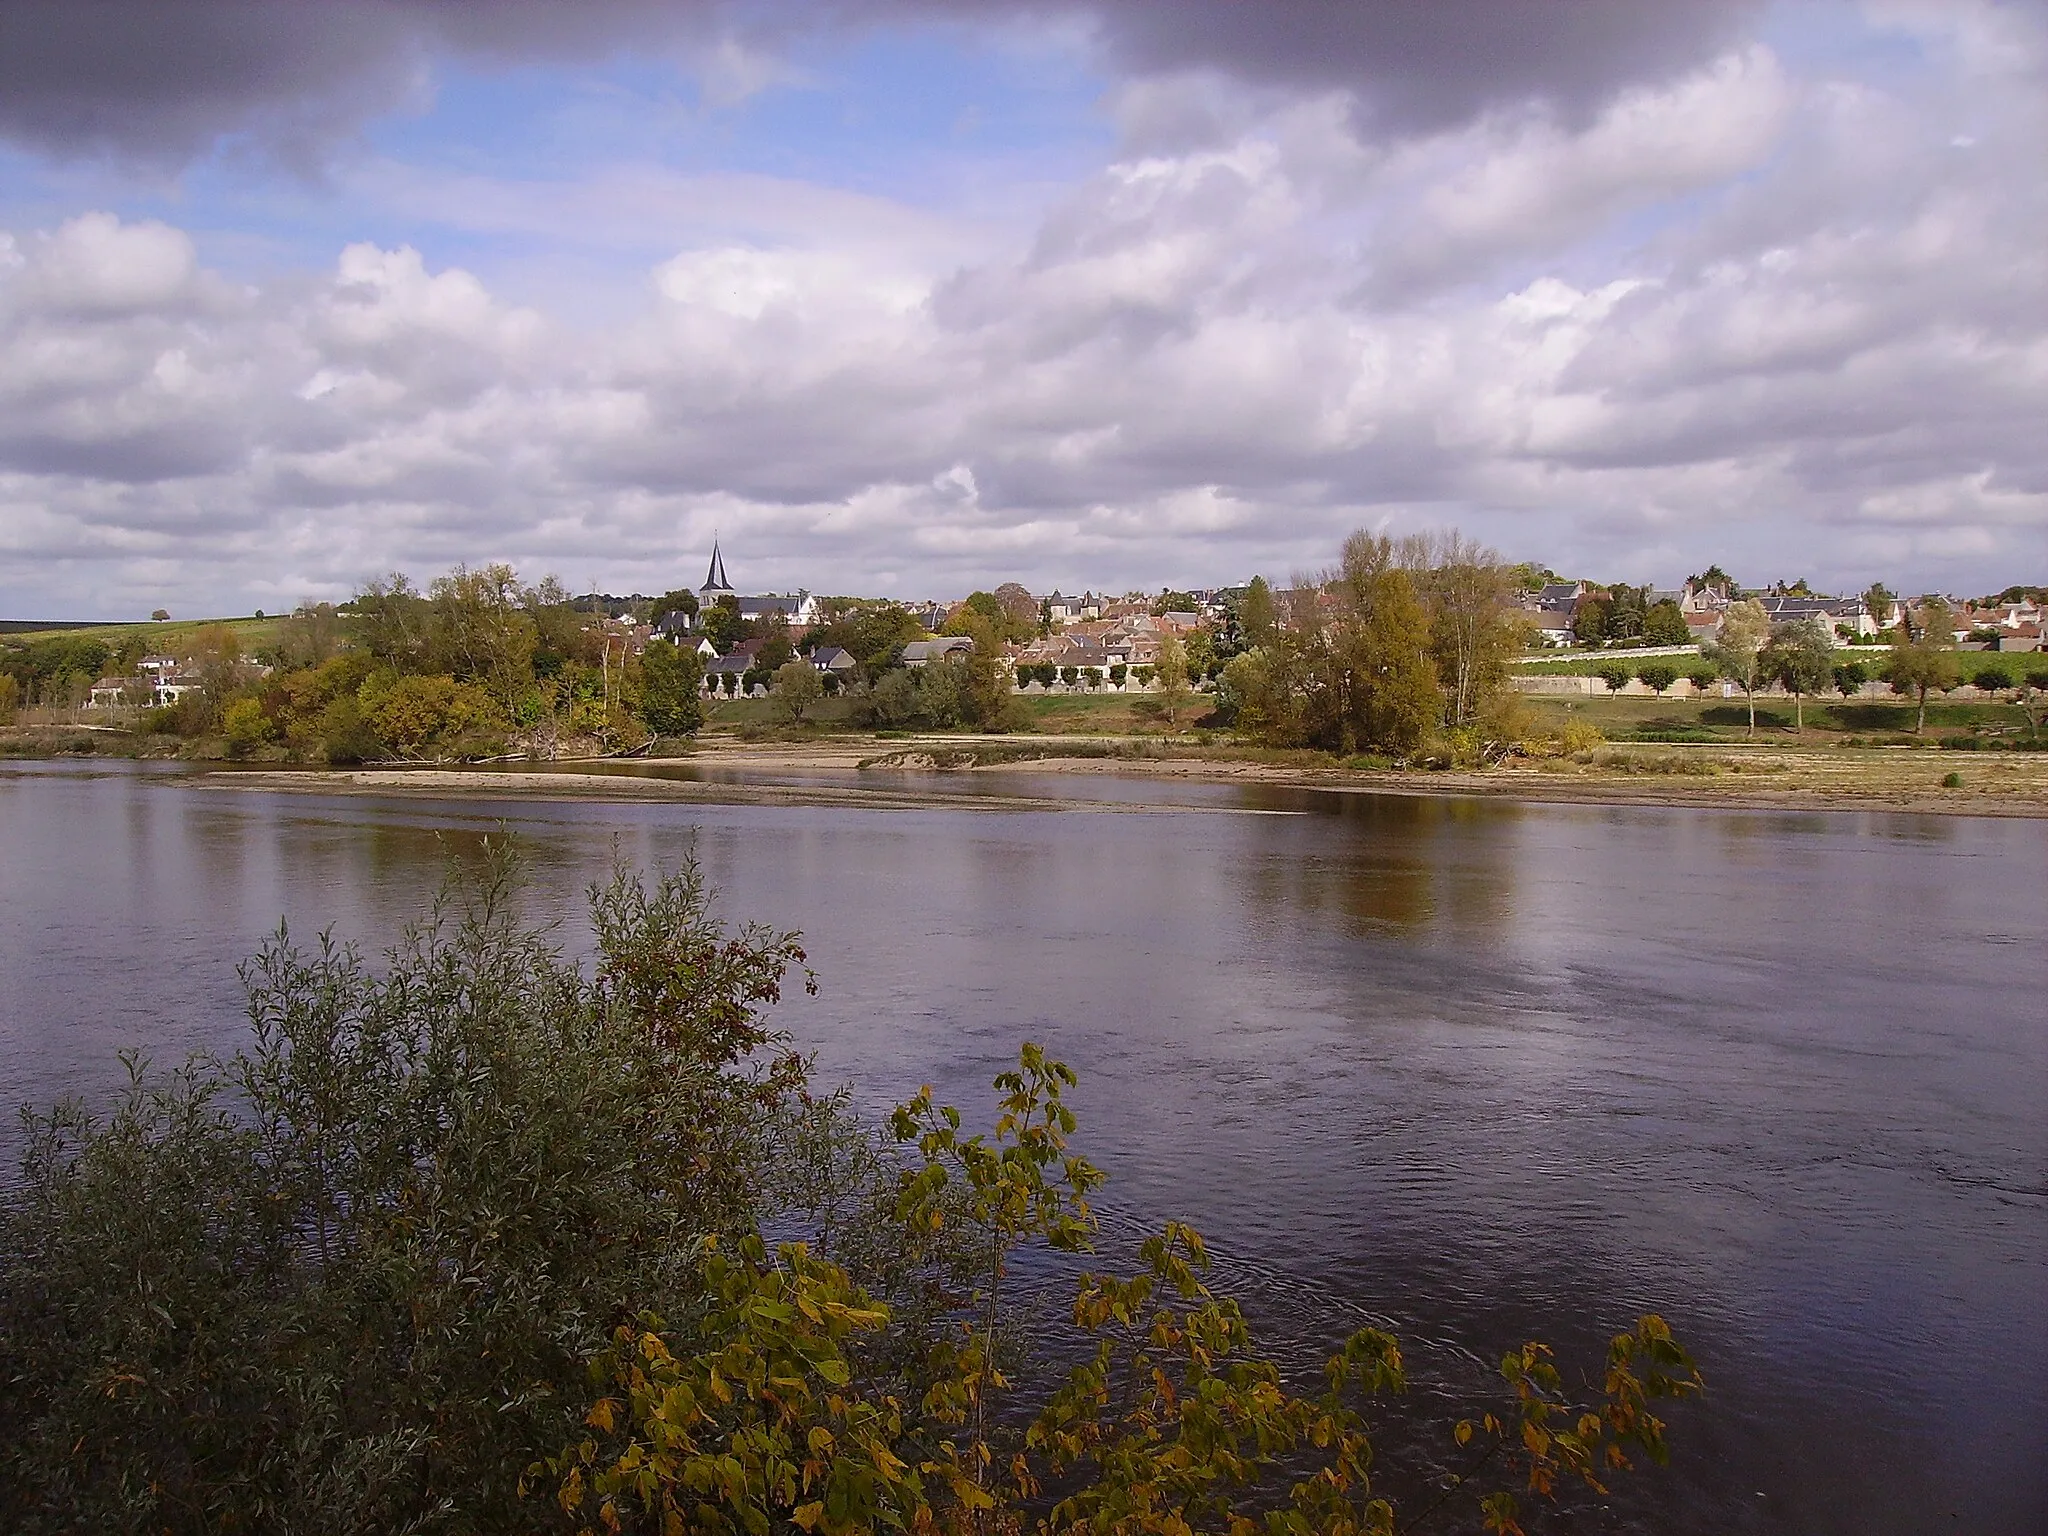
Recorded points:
(164, 82)
(1759, 308)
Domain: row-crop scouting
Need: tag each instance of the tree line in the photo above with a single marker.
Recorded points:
(1404, 642)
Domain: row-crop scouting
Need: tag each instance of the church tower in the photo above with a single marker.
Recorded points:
(715, 583)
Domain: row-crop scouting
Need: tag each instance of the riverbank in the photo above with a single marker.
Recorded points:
(928, 772)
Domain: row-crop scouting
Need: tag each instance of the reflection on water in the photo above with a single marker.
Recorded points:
(1472, 1066)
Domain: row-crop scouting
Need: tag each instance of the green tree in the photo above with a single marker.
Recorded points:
(1474, 627)
(723, 626)
(1257, 616)
(671, 688)
(1382, 690)
(1737, 650)
(796, 689)
(1170, 601)
(10, 698)
(1664, 624)
(480, 630)
(1657, 675)
(1850, 677)
(1924, 664)
(1615, 675)
(772, 630)
(1878, 599)
(1172, 674)
(1800, 657)
(1589, 620)
(244, 725)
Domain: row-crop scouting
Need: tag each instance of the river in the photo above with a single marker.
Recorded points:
(1488, 1070)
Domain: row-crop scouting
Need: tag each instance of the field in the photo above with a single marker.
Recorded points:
(2013, 666)
(171, 636)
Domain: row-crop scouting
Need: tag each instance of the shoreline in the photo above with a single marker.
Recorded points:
(1766, 779)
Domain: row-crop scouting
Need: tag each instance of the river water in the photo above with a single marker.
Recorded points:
(1489, 1071)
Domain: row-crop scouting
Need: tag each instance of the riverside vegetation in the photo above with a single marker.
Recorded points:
(487, 1240)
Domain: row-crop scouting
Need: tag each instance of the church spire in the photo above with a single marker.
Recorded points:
(714, 579)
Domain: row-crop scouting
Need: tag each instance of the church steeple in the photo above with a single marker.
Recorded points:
(714, 579)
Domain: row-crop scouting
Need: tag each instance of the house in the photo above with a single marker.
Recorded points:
(920, 652)
(1835, 613)
(1553, 626)
(799, 612)
(723, 676)
(1061, 609)
(835, 660)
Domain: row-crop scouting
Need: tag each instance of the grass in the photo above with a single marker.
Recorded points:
(1707, 721)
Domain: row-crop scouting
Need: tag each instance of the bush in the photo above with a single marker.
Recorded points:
(349, 1279)
(1579, 736)
(346, 735)
(2037, 677)
(1850, 678)
(1951, 781)
(245, 727)
(1990, 679)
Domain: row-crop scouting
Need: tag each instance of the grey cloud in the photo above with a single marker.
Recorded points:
(162, 80)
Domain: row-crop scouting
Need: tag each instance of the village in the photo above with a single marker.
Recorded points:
(1057, 643)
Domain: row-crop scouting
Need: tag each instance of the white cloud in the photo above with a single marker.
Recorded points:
(1755, 313)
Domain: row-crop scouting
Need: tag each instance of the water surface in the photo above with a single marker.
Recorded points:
(1488, 1070)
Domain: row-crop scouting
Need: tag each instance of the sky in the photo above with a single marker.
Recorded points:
(909, 297)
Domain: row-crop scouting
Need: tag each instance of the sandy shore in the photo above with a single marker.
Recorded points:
(902, 775)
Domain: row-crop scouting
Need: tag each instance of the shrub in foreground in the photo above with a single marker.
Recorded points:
(478, 1243)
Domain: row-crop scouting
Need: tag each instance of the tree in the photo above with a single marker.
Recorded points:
(1170, 601)
(1019, 610)
(772, 630)
(796, 689)
(1879, 600)
(1736, 651)
(723, 626)
(1800, 657)
(1919, 666)
(1664, 624)
(1173, 678)
(1474, 627)
(1657, 675)
(480, 631)
(1383, 689)
(10, 698)
(1589, 620)
(1257, 615)
(160, 615)
(671, 684)
(1850, 677)
(1615, 675)
(1714, 579)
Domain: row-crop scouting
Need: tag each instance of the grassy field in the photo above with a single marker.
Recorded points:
(1716, 719)
(172, 636)
(2012, 666)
